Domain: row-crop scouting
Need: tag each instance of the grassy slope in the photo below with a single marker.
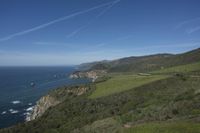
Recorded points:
(165, 127)
(110, 125)
(180, 69)
(177, 99)
(122, 83)
(178, 103)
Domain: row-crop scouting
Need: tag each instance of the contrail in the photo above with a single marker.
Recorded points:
(73, 33)
(186, 22)
(90, 22)
(106, 9)
(57, 20)
(195, 29)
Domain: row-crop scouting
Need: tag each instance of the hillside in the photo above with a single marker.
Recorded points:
(161, 101)
(178, 103)
(147, 63)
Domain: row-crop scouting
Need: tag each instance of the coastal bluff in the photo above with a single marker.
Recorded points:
(53, 99)
(41, 106)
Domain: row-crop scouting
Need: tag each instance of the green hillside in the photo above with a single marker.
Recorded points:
(147, 63)
(180, 69)
(111, 125)
(165, 127)
(170, 99)
(121, 83)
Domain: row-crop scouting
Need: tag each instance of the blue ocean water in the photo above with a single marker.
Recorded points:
(21, 87)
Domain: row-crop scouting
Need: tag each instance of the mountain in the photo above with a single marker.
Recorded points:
(87, 66)
(146, 63)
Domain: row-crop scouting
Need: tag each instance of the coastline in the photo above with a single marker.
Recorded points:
(50, 100)
(16, 106)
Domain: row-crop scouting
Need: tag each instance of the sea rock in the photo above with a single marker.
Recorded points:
(32, 84)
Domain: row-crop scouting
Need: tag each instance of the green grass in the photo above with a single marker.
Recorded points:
(180, 69)
(163, 100)
(108, 125)
(122, 83)
(165, 127)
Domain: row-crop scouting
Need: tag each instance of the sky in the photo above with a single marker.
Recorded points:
(69, 32)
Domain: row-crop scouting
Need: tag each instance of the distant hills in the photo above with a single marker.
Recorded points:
(164, 100)
(144, 63)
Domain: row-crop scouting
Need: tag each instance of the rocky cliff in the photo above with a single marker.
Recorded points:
(48, 101)
(93, 74)
(41, 106)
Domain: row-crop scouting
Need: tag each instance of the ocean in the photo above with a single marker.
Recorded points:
(21, 87)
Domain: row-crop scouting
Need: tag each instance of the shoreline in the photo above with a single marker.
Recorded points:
(15, 109)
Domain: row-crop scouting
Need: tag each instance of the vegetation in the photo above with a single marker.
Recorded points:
(100, 66)
(146, 63)
(165, 127)
(180, 69)
(178, 99)
(165, 102)
(122, 83)
(110, 125)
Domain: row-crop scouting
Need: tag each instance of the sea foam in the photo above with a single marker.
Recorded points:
(4, 112)
(16, 102)
(29, 109)
(12, 111)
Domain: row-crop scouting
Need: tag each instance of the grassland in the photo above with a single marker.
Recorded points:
(180, 69)
(110, 125)
(160, 101)
(165, 127)
(121, 83)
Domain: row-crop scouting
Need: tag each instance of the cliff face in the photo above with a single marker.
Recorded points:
(49, 101)
(94, 74)
(41, 106)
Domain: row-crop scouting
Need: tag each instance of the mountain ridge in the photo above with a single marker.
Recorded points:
(145, 63)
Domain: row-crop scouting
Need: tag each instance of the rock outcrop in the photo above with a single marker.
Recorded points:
(93, 74)
(48, 101)
(41, 106)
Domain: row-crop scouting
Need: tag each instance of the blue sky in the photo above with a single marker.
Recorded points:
(64, 32)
